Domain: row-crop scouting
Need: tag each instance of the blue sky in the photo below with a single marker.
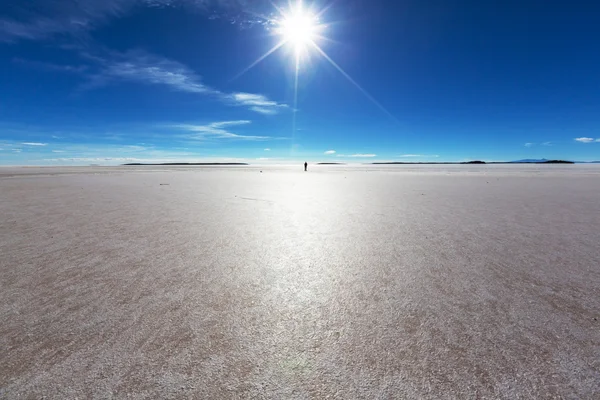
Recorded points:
(111, 81)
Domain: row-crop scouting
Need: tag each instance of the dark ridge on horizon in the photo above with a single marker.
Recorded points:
(331, 163)
(205, 164)
(483, 162)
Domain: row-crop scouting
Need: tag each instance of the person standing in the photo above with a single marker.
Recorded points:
(305, 165)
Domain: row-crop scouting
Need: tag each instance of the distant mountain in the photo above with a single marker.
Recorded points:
(542, 161)
(529, 160)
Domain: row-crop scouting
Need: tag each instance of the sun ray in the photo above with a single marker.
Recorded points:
(325, 9)
(279, 9)
(295, 110)
(267, 54)
(326, 39)
(347, 76)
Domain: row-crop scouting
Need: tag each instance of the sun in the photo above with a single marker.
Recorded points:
(298, 28)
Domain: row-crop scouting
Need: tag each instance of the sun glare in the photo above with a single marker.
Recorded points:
(299, 28)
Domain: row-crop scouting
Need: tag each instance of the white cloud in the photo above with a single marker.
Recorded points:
(53, 17)
(257, 102)
(267, 149)
(329, 152)
(37, 20)
(547, 144)
(141, 67)
(528, 144)
(34, 144)
(135, 148)
(224, 124)
(264, 111)
(420, 155)
(58, 151)
(217, 130)
(586, 140)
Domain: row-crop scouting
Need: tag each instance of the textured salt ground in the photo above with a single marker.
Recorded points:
(344, 283)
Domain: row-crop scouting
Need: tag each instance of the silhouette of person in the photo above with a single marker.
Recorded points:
(305, 166)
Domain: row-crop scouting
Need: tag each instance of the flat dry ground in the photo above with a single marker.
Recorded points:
(343, 282)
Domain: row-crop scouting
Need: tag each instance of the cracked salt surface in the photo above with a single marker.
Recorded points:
(343, 282)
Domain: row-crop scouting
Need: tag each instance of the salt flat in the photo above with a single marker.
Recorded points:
(431, 282)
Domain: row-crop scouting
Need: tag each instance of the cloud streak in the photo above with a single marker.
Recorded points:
(141, 67)
(419, 155)
(586, 140)
(34, 144)
(257, 102)
(217, 130)
(43, 19)
(329, 152)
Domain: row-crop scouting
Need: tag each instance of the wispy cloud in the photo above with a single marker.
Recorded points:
(586, 140)
(420, 155)
(34, 144)
(46, 66)
(329, 152)
(58, 151)
(135, 148)
(141, 67)
(38, 20)
(265, 111)
(267, 149)
(547, 144)
(51, 17)
(257, 102)
(529, 144)
(217, 130)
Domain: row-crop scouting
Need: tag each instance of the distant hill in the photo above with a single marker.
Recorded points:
(542, 161)
(188, 164)
(330, 163)
(412, 163)
(526, 161)
(529, 160)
